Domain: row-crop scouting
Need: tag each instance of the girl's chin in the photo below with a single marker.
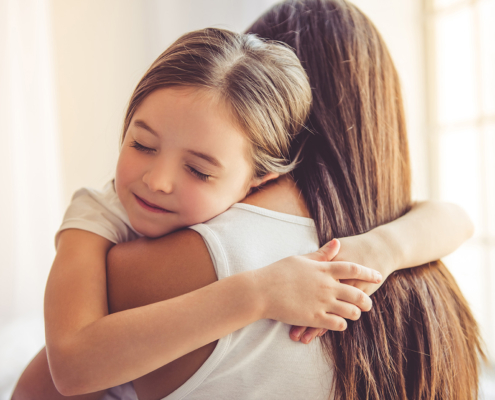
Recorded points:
(153, 232)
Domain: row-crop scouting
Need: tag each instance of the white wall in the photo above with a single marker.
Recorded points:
(99, 57)
(30, 186)
(103, 47)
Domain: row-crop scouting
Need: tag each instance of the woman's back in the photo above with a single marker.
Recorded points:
(260, 360)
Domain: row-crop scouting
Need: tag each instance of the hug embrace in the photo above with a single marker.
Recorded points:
(243, 157)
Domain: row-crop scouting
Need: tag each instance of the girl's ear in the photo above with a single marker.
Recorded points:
(260, 181)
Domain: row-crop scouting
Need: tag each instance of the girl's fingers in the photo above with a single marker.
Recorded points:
(326, 252)
(309, 335)
(348, 270)
(346, 310)
(354, 296)
(296, 332)
(305, 334)
(333, 322)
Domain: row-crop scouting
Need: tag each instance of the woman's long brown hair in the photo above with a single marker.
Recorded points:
(420, 340)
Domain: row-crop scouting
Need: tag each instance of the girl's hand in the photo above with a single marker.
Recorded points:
(305, 290)
(356, 249)
(367, 249)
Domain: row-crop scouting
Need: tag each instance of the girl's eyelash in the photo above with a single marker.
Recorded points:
(140, 147)
(200, 175)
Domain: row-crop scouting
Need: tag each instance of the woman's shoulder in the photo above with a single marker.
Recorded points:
(281, 195)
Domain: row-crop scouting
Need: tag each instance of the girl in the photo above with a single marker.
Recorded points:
(209, 121)
(159, 197)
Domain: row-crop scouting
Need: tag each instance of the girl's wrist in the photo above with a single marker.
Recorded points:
(251, 288)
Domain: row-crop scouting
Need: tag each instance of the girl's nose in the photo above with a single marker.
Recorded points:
(158, 180)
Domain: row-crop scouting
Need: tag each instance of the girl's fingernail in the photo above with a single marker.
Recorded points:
(297, 332)
(378, 276)
(307, 337)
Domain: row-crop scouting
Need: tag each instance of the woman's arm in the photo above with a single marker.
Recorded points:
(89, 350)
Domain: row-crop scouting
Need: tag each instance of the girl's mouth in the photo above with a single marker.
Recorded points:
(150, 206)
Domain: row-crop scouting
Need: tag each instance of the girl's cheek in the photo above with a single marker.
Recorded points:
(201, 205)
(127, 166)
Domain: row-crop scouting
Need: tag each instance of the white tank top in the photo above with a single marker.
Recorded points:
(259, 361)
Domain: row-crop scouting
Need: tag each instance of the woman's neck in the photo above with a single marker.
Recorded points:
(280, 195)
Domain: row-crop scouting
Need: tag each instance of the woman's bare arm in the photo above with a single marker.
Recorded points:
(36, 383)
(430, 231)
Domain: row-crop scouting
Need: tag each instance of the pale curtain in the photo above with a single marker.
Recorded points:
(30, 206)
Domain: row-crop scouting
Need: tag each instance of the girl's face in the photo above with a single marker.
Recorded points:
(183, 161)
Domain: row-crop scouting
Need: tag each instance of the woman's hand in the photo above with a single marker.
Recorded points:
(312, 294)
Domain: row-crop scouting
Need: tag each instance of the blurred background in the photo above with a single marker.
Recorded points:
(67, 70)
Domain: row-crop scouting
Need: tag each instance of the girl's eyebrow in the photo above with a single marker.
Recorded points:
(212, 160)
(141, 124)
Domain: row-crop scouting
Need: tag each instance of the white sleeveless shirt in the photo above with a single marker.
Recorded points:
(259, 361)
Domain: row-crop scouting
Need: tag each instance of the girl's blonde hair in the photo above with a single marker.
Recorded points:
(262, 82)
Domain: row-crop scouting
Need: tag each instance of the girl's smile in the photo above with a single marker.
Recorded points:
(149, 206)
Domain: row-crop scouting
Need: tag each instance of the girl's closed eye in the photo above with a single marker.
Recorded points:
(200, 175)
(140, 147)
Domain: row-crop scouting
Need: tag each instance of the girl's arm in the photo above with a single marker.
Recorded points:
(89, 350)
(430, 231)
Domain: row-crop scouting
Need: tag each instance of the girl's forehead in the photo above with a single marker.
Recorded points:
(197, 119)
(196, 102)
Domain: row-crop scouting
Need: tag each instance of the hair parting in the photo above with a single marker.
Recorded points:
(262, 83)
